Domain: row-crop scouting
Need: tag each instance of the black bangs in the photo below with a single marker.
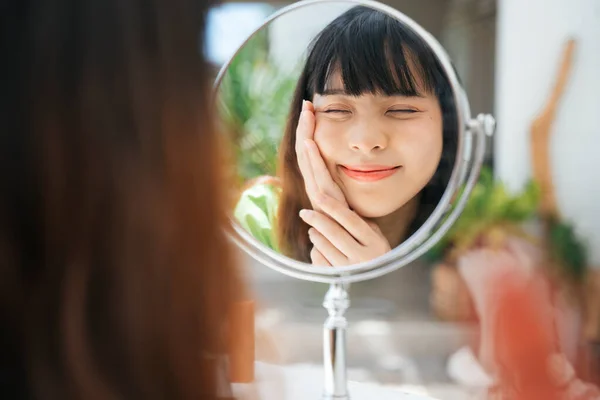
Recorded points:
(358, 46)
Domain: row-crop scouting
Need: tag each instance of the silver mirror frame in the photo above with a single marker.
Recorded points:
(467, 167)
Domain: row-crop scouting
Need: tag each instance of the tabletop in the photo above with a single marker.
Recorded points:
(305, 383)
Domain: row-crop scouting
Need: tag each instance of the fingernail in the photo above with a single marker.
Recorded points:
(303, 214)
(307, 143)
(311, 232)
(304, 106)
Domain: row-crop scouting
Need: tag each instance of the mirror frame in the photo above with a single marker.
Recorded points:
(470, 154)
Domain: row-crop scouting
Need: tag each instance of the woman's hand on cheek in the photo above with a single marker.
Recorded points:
(341, 237)
(317, 179)
(321, 182)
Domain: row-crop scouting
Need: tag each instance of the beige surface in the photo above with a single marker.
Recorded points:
(304, 382)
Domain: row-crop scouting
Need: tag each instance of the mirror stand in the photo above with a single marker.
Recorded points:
(336, 302)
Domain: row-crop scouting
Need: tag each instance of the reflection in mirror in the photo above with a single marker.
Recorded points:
(344, 145)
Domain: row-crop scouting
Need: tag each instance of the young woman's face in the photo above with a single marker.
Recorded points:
(381, 150)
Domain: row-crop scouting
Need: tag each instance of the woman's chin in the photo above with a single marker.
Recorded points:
(373, 207)
(371, 212)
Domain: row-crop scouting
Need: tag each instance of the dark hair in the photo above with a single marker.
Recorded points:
(115, 275)
(377, 54)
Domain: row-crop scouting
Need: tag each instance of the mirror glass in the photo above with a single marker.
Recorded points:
(343, 132)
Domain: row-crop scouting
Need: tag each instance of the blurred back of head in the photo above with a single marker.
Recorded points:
(113, 271)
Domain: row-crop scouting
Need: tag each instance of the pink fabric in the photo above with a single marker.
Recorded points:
(481, 269)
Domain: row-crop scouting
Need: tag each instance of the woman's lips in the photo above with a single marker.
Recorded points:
(369, 173)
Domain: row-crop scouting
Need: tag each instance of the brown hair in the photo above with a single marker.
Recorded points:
(371, 50)
(114, 272)
(291, 232)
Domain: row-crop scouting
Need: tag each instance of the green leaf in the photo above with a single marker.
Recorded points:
(525, 205)
(497, 201)
(254, 101)
(567, 250)
(489, 205)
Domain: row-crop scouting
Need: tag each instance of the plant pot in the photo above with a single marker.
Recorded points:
(450, 299)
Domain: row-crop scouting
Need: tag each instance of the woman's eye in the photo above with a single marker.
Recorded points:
(403, 111)
(336, 111)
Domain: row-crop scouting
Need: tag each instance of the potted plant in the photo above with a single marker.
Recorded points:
(254, 101)
(490, 216)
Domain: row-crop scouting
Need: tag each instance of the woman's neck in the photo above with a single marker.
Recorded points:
(395, 226)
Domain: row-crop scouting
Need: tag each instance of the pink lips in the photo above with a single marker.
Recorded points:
(369, 173)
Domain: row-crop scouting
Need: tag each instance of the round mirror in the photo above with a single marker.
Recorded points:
(353, 148)
(351, 138)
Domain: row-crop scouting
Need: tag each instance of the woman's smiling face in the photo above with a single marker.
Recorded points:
(381, 150)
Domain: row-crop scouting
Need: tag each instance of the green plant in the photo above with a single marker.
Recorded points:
(490, 210)
(254, 101)
(567, 250)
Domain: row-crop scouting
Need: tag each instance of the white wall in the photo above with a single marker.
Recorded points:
(531, 35)
(290, 34)
(228, 25)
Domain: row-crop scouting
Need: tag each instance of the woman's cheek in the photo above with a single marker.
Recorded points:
(326, 140)
(426, 139)
(327, 144)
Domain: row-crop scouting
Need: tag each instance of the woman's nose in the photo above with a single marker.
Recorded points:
(368, 139)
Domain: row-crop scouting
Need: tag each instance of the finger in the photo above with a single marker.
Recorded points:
(306, 126)
(310, 183)
(348, 219)
(317, 258)
(309, 106)
(328, 250)
(327, 227)
(305, 130)
(373, 226)
(321, 174)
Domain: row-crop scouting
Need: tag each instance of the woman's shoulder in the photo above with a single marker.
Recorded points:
(256, 209)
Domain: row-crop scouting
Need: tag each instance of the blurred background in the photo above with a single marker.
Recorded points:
(413, 328)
